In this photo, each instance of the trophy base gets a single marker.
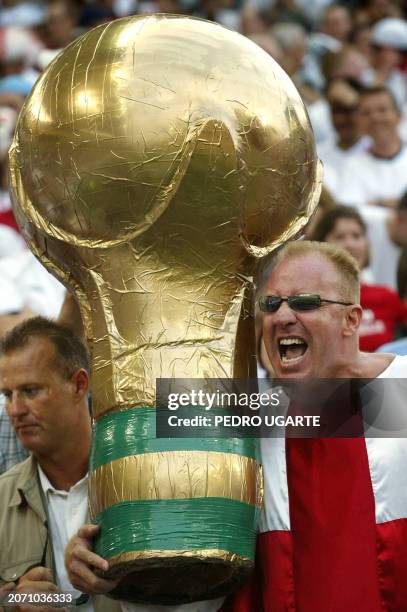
(176, 580)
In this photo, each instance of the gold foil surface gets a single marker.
(153, 160)
(207, 553)
(175, 475)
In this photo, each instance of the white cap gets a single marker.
(390, 32)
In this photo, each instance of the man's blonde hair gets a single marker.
(346, 265)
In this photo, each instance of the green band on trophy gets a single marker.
(132, 432)
(177, 525)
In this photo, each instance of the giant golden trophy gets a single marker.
(155, 159)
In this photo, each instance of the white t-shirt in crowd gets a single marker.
(334, 159)
(366, 178)
(11, 243)
(24, 282)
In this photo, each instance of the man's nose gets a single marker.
(284, 315)
(348, 244)
(375, 115)
(16, 405)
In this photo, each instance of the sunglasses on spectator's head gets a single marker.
(300, 303)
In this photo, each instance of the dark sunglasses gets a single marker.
(299, 303)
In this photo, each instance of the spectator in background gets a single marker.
(334, 29)
(384, 253)
(287, 11)
(397, 223)
(19, 49)
(62, 19)
(343, 97)
(361, 39)
(8, 118)
(269, 44)
(383, 310)
(95, 14)
(222, 11)
(336, 22)
(387, 230)
(389, 45)
(292, 39)
(346, 63)
(253, 21)
(377, 176)
(374, 10)
(26, 288)
(399, 347)
(23, 14)
(174, 6)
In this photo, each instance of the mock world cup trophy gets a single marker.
(154, 160)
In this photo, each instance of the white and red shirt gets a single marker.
(333, 533)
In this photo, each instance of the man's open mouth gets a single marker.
(291, 349)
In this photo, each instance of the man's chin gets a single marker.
(28, 433)
(379, 132)
(300, 369)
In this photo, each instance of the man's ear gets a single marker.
(352, 320)
(80, 381)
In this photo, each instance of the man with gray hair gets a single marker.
(292, 39)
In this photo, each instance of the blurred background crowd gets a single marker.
(348, 60)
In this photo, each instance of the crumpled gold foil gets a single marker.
(152, 158)
(175, 475)
(207, 553)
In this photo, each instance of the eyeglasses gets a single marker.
(299, 303)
